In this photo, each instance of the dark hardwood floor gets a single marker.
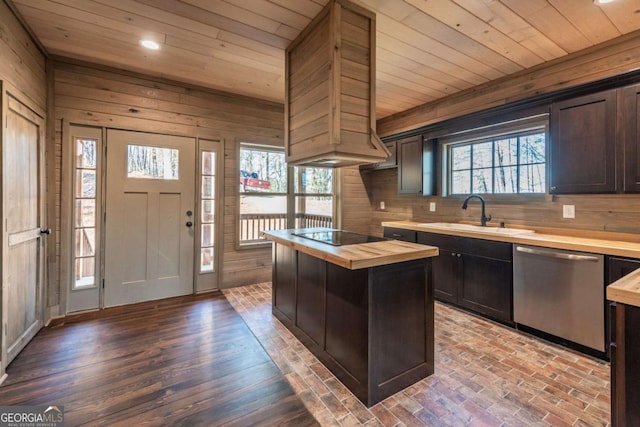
(183, 361)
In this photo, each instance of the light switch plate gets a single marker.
(381, 206)
(432, 206)
(568, 211)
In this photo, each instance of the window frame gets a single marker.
(516, 128)
(290, 196)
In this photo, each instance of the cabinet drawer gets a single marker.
(443, 241)
(400, 234)
(488, 249)
(468, 245)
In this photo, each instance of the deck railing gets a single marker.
(252, 224)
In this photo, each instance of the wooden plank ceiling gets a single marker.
(426, 49)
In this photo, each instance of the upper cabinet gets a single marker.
(595, 143)
(629, 99)
(583, 135)
(416, 166)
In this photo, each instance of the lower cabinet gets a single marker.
(475, 274)
(625, 370)
(624, 350)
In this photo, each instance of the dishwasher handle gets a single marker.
(557, 255)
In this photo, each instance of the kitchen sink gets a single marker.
(453, 226)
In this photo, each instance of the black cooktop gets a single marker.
(339, 238)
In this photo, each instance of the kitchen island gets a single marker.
(365, 310)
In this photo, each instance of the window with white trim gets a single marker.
(275, 197)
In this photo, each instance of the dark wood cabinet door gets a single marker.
(346, 325)
(625, 371)
(410, 165)
(445, 268)
(630, 128)
(583, 144)
(310, 297)
(284, 280)
(446, 276)
(487, 286)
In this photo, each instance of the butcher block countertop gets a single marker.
(580, 242)
(626, 290)
(353, 257)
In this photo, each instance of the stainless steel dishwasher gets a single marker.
(561, 293)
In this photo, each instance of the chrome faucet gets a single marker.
(483, 217)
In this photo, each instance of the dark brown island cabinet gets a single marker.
(373, 327)
(624, 323)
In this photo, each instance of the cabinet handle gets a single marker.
(560, 255)
(396, 235)
(459, 255)
(553, 188)
(612, 325)
(453, 254)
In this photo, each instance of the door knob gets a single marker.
(45, 231)
(189, 224)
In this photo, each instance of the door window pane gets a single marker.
(85, 214)
(208, 208)
(206, 260)
(208, 186)
(85, 272)
(208, 211)
(85, 242)
(207, 235)
(152, 162)
(85, 183)
(86, 155)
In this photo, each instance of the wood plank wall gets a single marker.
(598, 212)
(608, 59)
(21, 62)
(99, 96)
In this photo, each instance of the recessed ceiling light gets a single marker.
(599, 2)
(150, 44)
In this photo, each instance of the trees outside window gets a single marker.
(274, 196)
(509, 164)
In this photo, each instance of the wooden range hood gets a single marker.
(330, 90)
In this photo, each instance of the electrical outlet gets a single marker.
(432, 206)
(381, 206)
(568, 211)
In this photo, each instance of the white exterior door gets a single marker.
(149, 228)
(23, 246)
